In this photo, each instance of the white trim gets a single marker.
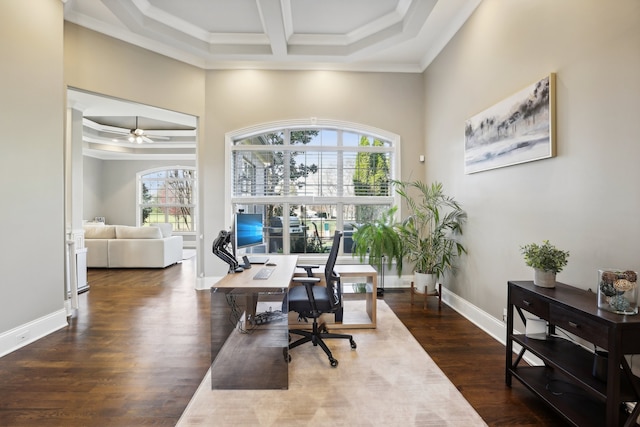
(32, 331)
(310, 123)
(489, 324)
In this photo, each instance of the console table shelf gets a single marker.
(566, 382)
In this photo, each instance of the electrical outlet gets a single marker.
(504, 314)
(22, 336)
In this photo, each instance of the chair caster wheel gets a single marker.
(353, 345)
(333, 362)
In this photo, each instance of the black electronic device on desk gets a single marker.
(220, 249)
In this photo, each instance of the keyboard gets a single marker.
(263, 274)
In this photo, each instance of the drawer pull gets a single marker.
(574, 325)
(525, 302)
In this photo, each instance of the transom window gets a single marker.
(308, 181)
(168, 195)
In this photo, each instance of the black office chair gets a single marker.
(312, 300)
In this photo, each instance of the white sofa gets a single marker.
(121, 246)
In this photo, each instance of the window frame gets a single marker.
(308, 124)
(193, 206)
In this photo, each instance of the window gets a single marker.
(308, 180)
(168, 195)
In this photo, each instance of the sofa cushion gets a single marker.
(126, 232)
(99, 231)
(165, 228)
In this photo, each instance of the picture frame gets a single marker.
(518, 129)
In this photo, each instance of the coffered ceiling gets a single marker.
(357, 35)
(353, 35)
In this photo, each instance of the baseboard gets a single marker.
(16, 338)
(489, 324)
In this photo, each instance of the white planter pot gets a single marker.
(544, 279)
(424, 282)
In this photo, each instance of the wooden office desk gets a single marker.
(245, 355)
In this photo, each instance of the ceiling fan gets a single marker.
(138, 136)
(143, 130)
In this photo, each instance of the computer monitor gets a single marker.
(247, 230)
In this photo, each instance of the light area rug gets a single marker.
(188, 253)
(389, 380)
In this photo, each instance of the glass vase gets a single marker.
(618, 291)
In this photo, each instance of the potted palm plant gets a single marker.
(546, 260)
(377, 241)
(430, 230)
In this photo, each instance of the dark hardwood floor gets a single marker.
(139, 347)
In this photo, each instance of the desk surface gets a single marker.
(280, 278)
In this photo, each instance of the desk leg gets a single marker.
(372, 297)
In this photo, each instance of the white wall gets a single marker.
(585, 200)
(32, 111)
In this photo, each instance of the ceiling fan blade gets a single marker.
(147, 139)
(116, 132)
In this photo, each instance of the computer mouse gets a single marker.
(270, 264)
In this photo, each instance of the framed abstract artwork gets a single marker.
(518, 129)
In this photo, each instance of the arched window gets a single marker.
(308, 178)
(168, 194)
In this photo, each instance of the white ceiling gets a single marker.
(105, 137)
(356, 35)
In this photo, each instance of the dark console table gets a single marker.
(566, 381)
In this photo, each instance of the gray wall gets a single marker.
(238, 99)
(112, 186)
(32, 111)
(585, 200)
(92, 188)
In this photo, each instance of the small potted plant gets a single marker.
(546, 260)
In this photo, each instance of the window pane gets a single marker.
(273, 138)
(258, 173)
(319, 222)
(155, 215)
(367, 174)
(350, 139)
(181, 218)
(357, 214)
(314, 174)
(168, 196)
(324, 137)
